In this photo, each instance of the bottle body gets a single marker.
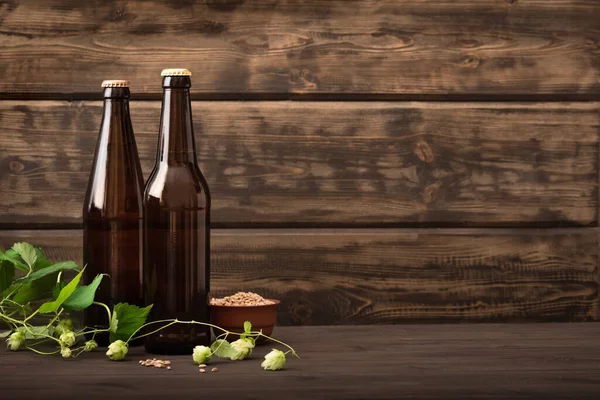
(176, 266)
(177, 231)
(112, 214)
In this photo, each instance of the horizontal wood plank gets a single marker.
(485, 361)
(325, 277)
(328, 163)
(284, 47)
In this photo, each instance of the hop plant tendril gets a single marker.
(27, 277)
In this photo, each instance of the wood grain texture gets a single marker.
(329, 163)
(330, 277)
(486, 361)
(291, 47)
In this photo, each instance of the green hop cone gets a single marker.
(64, 326)
(274, 361)
(15, 340)
(65, 352)
(243, 347)
(67, 339)
(201, 354)
(117, 350)
(90, 345)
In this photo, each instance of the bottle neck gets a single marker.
(176, 137)
(116, 163)
(116, 119)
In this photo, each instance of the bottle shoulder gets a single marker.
(115, 175)
(114, 196)
(177, 185)
(127, 210)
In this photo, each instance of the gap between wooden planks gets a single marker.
(357, 276)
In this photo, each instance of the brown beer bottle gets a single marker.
(113, 210)
(177, 227)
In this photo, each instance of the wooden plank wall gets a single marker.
(438, 161)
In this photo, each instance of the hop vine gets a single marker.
(28, 278)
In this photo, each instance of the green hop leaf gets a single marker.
(36, 290)
(274, 361)
(64, 294)
(42, 261)
(27, 253)
(128, 319)
(14, 258)
(247, 330)
(35, 332)
(47, 271)
(83, 296)
(114, 323)
(57, 288)
(222, 348)
(201, 354)
(7, 274)
(117, 350)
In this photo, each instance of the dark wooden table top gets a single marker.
(553, 360)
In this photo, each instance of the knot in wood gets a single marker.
(423, 151)
(301, 312)
(303, 77)
(16, 166)
(468, 43)
(430, 193)
(470, 61)
(593, 46)
(119, 14)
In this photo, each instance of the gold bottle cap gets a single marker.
(115, 83)
(176, 72)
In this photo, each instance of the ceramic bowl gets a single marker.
(232, 318)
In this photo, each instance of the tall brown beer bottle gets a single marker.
(112, 211)
(177, 226)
